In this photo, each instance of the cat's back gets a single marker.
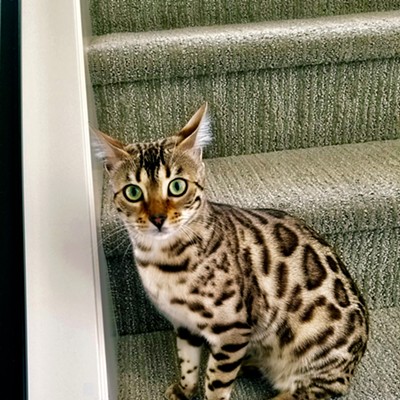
(283, 234)
(299, 296)
(292, 266)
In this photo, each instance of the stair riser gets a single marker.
(133, 15)
(373, 259)
(262, 111)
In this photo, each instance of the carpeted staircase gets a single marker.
(305, 99)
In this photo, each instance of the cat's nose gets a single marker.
(158, 220)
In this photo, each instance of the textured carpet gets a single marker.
(145, 15)
(271, 86)
(351, 193)
(148, 364)
(127, 57)
(261, 111)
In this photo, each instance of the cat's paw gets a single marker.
(176, 392)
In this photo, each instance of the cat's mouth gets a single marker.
(156, 233)
(151, 232)
(162, 232)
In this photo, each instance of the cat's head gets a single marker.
(158, 186)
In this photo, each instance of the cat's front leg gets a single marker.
(189, 351)
(223, 366)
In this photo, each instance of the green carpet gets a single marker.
(128, 57)
(305, 103)
(271, 86)
(145, 15)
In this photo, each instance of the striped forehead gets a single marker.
(149, 157)
(150, 160)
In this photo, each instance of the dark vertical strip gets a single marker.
(12, 279)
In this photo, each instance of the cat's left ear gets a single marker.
(108, 149)
(196, 134)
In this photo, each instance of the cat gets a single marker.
(258, 286)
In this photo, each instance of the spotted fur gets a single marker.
(259, 287)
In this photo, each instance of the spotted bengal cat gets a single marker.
(258, 286)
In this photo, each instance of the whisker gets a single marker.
(116, 231)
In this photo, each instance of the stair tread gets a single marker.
(186, 52)
(132, 15)
(343, 188)
(148, 365)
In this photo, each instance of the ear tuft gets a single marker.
(196, 134)
(204, 133)
(97, 144)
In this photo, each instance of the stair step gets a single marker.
(216, 50)
(350, 193)
(110, 16)
(348, 188)
(288, 84)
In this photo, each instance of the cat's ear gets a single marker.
(107, 149)
(196, 134)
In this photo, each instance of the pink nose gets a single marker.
(158, 220)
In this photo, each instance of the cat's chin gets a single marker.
(164, 234)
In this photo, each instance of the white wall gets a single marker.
(65, 313)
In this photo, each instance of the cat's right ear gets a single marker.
(107, 149)
(196, 134)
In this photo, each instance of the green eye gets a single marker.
(133, 193)
(177, 187)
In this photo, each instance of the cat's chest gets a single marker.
(166, 292)
(163, 284)
(159, 286)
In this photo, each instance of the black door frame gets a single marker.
(12, 269)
